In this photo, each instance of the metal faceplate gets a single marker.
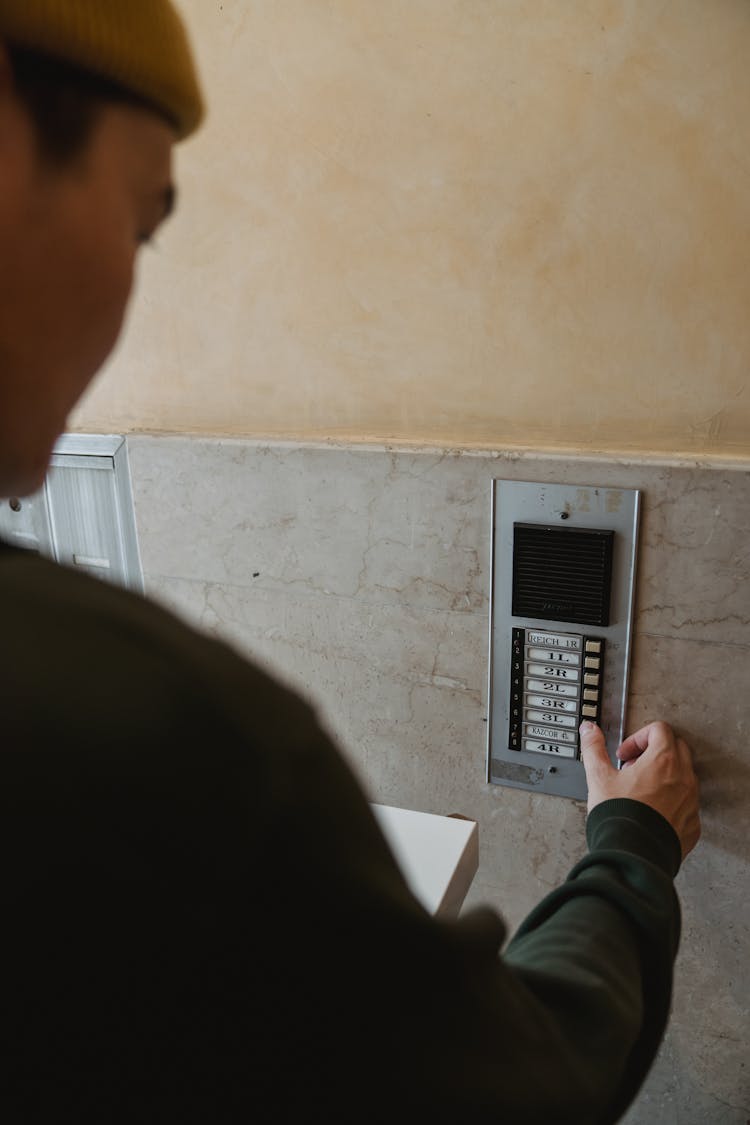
(83, 515)
(528, 747)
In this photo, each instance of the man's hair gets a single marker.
(64, 101)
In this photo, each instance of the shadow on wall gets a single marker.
(725, 785)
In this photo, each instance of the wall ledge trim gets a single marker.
(624, 457)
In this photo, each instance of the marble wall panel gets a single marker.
(314, 522)
(695, 563)
(361, 577)
(385, 679)
(701, 1074)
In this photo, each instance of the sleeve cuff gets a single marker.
(622, 824)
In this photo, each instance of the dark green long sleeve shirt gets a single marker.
(202, 922)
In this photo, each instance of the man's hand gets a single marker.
(657, 769)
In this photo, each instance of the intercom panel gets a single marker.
(563, 567)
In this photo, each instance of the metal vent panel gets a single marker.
(83, 515)
(562, 574)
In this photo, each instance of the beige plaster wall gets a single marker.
(456, 222)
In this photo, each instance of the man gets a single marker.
(201, 919)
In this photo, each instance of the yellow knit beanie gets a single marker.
(139, 44)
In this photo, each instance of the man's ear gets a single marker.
(8, 103)
(6, 79)
(6, 72)
(7, 82)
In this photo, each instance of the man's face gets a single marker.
(68, 242)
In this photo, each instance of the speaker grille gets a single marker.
(562, 573)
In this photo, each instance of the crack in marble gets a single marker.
(697, 621)
(666, 637)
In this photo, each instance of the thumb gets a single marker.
(594, 752)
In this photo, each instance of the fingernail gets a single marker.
(587, 726)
